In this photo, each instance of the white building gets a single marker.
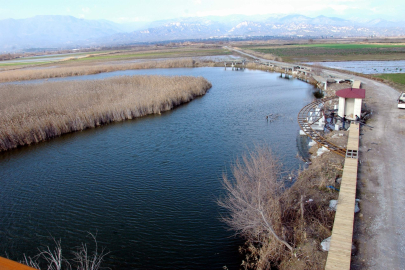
(350, 101)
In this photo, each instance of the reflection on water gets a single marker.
(148, 187)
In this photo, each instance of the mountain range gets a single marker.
(70, 32)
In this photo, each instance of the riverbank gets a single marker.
(152, 180)
(283, 223)
(387, 102)
(379, 185)
(30, 113)
(364, 249)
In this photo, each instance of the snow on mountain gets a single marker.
(68, 31)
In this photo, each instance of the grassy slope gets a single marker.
(23, 64)
(396, 80)
(394, 77)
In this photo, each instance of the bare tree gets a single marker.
(253, 197)
(53, 259)
(87, 261)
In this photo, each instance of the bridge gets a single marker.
(340, 250)
(235, 64)
(322, 78)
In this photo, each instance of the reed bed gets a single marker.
(33, 74)
(30, 113)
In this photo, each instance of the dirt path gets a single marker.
(379, 228)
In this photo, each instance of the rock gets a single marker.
(338, 180)
(322, 150)
(354, 250)
(356, 206)
(333, 205)
(326, 244)
(311, 143)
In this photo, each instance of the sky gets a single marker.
(124, 11)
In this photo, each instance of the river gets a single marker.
(148, 187)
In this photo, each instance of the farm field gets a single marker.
(398, 78)
(156, 54)
(333, 52)
(97, 57)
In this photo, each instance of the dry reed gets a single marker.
(33, 74)
(36, 112)
(274, 219)
(53, 259)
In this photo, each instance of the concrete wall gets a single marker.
(357, 107)
(341, 108)
(349, 108)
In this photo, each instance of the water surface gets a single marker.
(148, 187)
(367, 67)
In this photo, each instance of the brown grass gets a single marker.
(32, 74)
(36, 112)
(298, 215)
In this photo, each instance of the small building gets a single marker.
(350, 101)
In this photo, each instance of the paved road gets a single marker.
(277, 63)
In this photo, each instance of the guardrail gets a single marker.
(6, 264)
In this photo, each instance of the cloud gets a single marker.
(197, 2)
(260, 7)
(86, 10)
(339, 8)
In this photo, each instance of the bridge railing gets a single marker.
(6, 264)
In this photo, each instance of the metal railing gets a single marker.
(6, 264)
(309, 111)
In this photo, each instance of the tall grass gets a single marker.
(32, 74)
(37, 112)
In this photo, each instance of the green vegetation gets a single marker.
(156, 54)
(393, 77)
(351, 46)
(30, 113)
(22, 64)
(97, 57)
(333, 52)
